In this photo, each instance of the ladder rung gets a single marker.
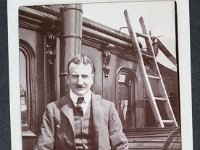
(154, 77)
(142, 35)
(157, 98)
(147, 55)
(160, 98)
(168, 121)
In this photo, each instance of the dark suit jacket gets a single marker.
(57, 129)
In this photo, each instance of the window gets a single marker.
(23, 90)
(26, 85)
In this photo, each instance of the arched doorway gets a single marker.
(125, 94)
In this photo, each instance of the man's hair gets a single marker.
(78, 59)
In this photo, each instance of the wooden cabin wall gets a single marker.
(107, 86)
(110, 91)
(42, 80)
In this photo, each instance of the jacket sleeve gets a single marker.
(45, 140)
(118, 139)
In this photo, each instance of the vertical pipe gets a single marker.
(70, 40)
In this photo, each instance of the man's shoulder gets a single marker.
(101, 99)
(58, 102)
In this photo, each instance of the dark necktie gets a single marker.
(78, 106)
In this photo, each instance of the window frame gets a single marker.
(27, 51)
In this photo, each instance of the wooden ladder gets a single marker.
(151, 76)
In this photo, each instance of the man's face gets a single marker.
(80, 78)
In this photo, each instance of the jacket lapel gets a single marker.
(67, 109)
(97, 112)
(98, 120)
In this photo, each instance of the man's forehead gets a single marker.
(86, 68)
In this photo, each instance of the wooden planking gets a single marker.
(153, 138)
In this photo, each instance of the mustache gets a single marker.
(80, 86)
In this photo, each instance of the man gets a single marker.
(81, 120)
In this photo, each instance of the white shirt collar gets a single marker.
(74, 97)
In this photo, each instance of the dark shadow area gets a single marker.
(195, 54)
(5, 142)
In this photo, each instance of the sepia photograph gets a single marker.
(100, 76)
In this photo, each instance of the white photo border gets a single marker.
(183, 57)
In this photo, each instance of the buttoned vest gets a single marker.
(84, 130)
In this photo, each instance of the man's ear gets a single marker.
(92, 78)
(67, 78)
(65, 74)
